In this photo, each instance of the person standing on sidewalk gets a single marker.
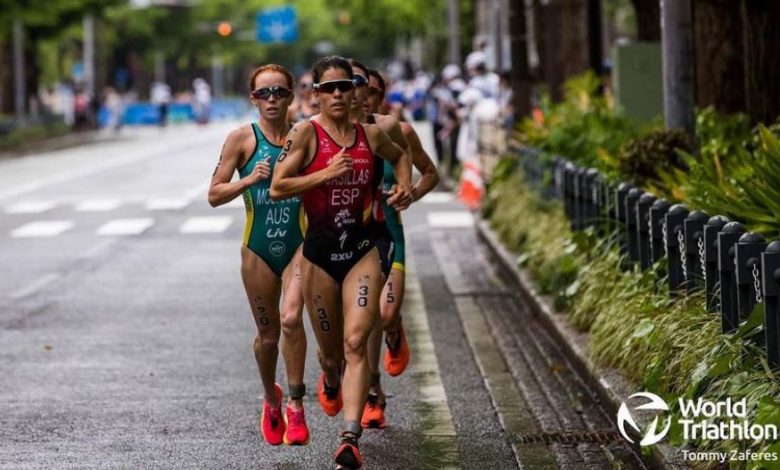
(397, 354)
(271, 252)
(329, 160)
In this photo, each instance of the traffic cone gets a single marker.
(471, 185)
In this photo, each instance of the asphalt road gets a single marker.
(126, 338)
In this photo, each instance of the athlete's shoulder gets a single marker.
(241, 138)
(385, 121)
(300, 129)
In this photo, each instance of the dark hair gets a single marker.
(330, 62)
(271, 68)
(358, 64)
(375, 73)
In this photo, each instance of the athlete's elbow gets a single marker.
(277, 193)
(214, 200)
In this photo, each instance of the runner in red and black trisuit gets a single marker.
(329, 160)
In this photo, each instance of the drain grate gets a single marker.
(596, 437)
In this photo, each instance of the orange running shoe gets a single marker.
(348, 454)
(271, 423)
(397, 356)
(374, 413)
(297, 433)
(330, 398)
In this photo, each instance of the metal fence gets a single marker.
(735, 269)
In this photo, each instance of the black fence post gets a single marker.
(675, 247)
(770, 283)
(748, 272)
(620, 211)
(632, 198)
(643, 229)
(568, 190)
(727, 250)
(591, 197)
(657, 216)
(711, 279)
(694, 249)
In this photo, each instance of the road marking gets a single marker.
(206, 225)
(42, 229)
(125, 227)
(35, 286)
(438, 429)
(437, 198)
(450, 219)
(98, 205)
(30, 207)
(164, 204)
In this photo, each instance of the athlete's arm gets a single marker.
(222, 190)
(392, 128)
(296, 153)
(390, 151)
(423, 163)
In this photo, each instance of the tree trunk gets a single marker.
(762, 59)
(521, 80)
(719, 55)
(565, 43)
(648, 20)
(6, 77)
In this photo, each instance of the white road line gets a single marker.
(42, 229)
(35, 286)
(125, 227)
(30, 207)
(98, 205)
(437, 198)
(165, 204)
(206, 225)
(451, 219)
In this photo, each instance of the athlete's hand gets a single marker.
(261, 171)
(400, 197)
(340, 165)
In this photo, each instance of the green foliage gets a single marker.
(583, 127)
(672, 347)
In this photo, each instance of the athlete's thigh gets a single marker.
(394, 289)
(292, 284)
(360, 295)
(262, 290)
(322, 295)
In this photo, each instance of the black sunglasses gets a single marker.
(360, 81)
(342, 85)
(375, 91)
(266, 92)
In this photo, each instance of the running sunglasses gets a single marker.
(360, 81)
(330, 86)
(266, 92)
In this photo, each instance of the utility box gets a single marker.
(638, 80)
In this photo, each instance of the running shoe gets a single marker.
(348, 454)
(397, 355)
(271, 423)
(297, 433)
(330, 398)
(374, 413)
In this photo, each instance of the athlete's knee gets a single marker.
(355, 345)
(388, 313)
(267, 341)
(291, 320)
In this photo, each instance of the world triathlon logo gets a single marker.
(651, 435)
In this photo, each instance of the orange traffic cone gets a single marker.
(471, 185)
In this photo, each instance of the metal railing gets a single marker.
(735, 269)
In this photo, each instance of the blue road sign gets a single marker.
(277, 25)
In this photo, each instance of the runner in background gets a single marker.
(397, 354)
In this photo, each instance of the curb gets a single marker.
(70, 140)
(610, 386)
